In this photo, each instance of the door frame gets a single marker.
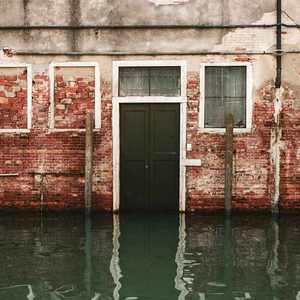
(116, 101)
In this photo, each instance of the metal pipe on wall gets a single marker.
(279, 45)
(134, 27)
(143, 27)
(133, 53)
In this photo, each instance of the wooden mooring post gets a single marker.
(228, 162)
(89, 124)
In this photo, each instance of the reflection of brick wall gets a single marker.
(13, 98)
(74, 96)
(290, 155)
(243, 248)
(56, 251)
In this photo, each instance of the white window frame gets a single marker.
(249, 98)
(149, 63)
(182, 100)
(29, 99)
(97, 114)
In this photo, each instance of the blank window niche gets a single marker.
(15, 98)
(149, 81)
(225, 92)
(74, 95)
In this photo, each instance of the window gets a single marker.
(74, 90)
(15, 98)
(225, 92)
(149, 81)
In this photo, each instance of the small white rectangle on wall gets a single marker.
(192, 162)
(189, 147)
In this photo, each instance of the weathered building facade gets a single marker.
(120, 59)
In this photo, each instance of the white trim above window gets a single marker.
(249, 100)
(29, 99)
(52, 67)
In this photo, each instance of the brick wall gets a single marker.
(50, 165)
(74, 96)
(290, 158)
(252, 184)
(13, 98)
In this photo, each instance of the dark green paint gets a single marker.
(149, 256)
(149, 157)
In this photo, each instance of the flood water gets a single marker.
(163, 257)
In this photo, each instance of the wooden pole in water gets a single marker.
(228, 162)
(88, 256)
(88, 162)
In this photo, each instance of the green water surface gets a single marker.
(67, 256)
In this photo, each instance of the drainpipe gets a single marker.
(279, 44)
(276, 134)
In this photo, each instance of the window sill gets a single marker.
(14, 131)
(147, 99)
(70, 130)
(223, 130)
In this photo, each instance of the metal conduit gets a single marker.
(278, 45)
(164, 53)
(134, 27)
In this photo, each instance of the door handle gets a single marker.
(146, 166)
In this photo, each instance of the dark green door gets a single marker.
(149, 156)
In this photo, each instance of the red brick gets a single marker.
(60, 156)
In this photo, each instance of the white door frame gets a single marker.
(182, 100)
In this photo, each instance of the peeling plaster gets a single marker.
(276, 146)
(249, 38)
(168, 2)
(255, 39)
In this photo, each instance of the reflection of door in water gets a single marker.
(149, 156)
(148, 246)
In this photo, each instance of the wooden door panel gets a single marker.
(149, 156)
(164, 189)
(164, 156)
(134, 186)
(134, 132)
(134, 155)
(163, 134)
